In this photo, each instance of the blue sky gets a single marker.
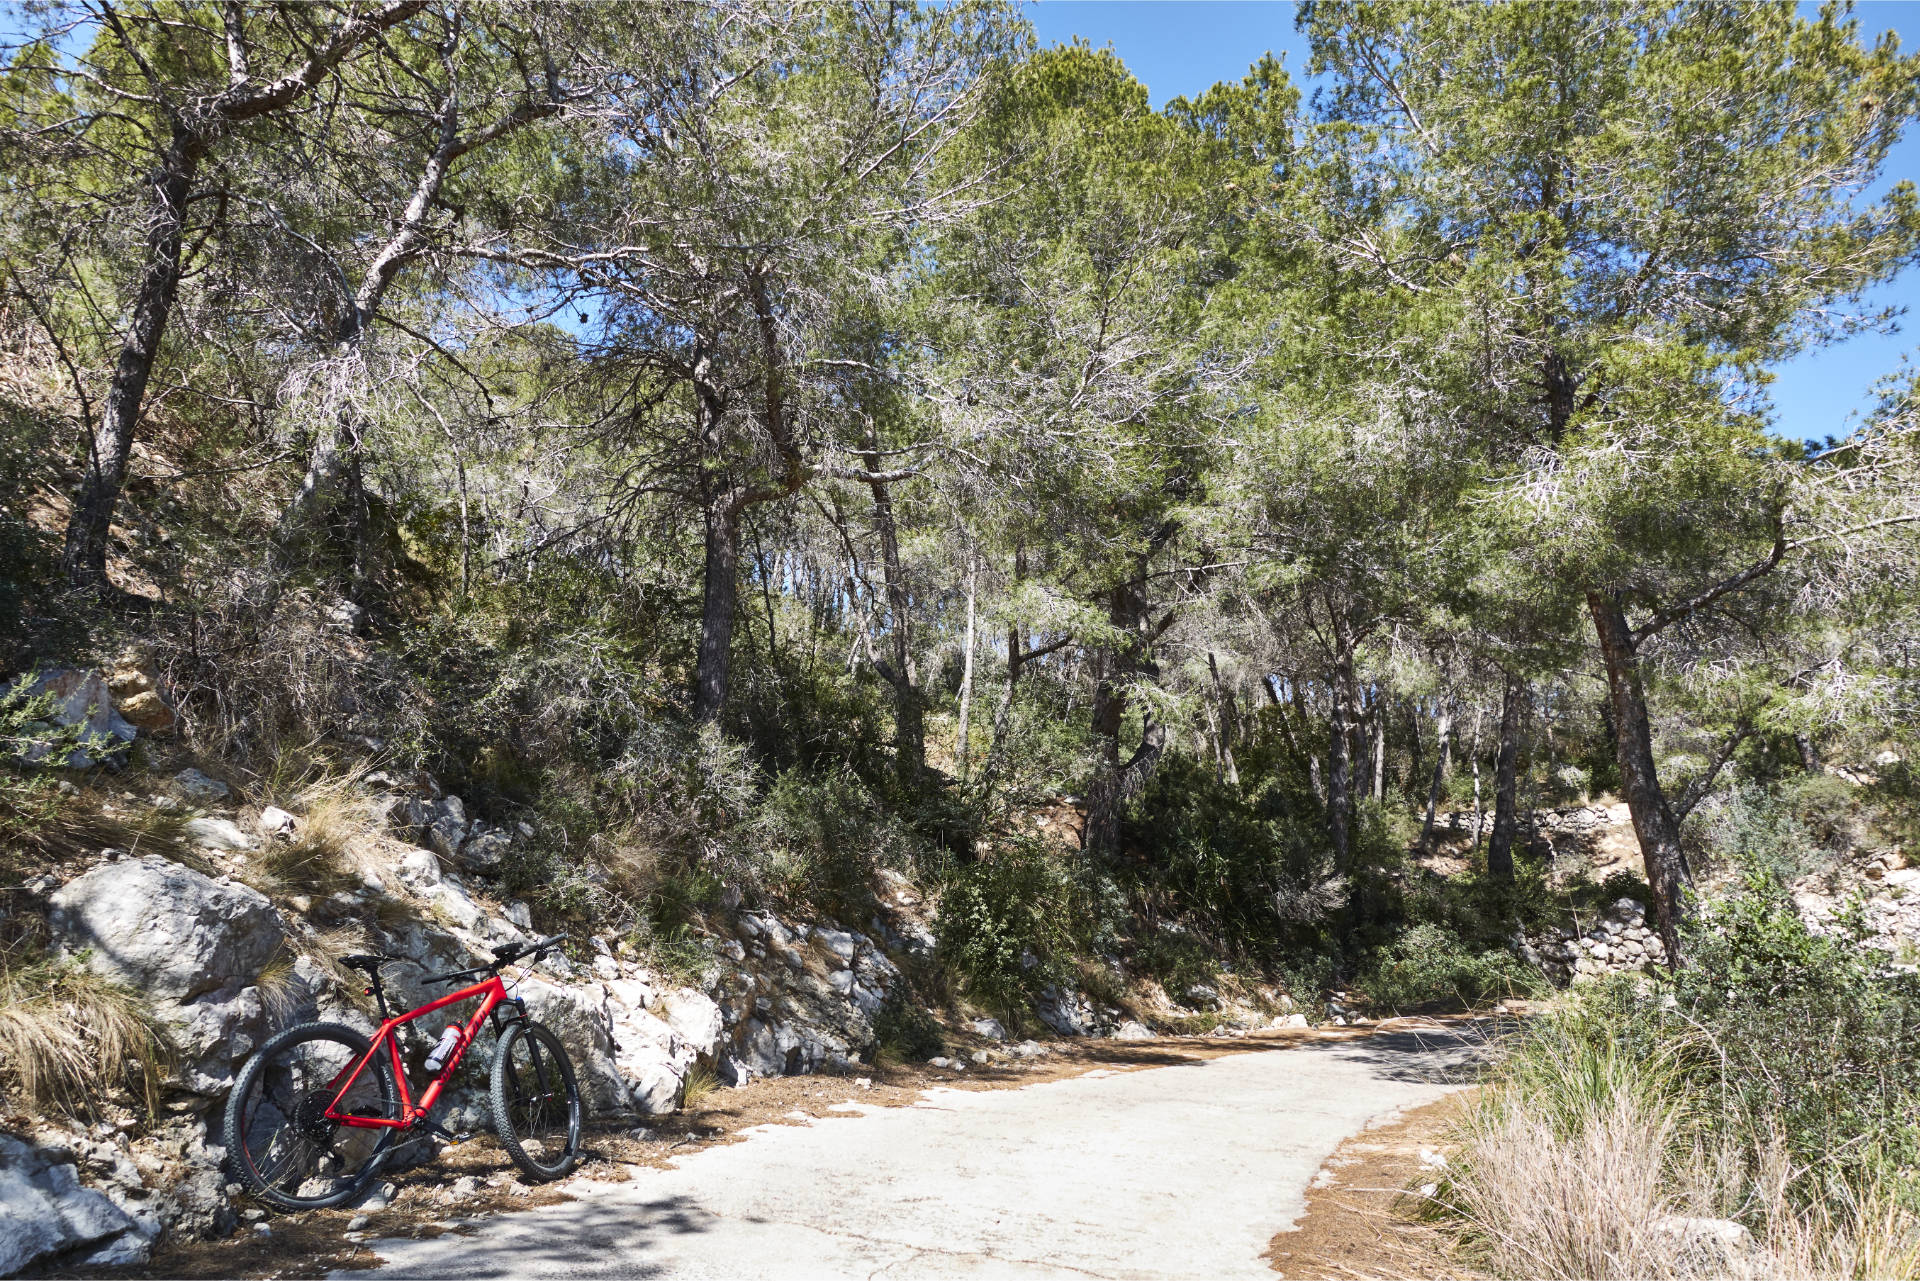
(1179, 47)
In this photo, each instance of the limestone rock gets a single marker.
(484, 848)
(198, 789)
(1132, 1030)
(989, 1028)
(446, 826)
(217, 834)
(836, 942)
(1067, 1012)
(419, 871)
(45, 1213)
(192, 946)
(274, 821)
(694, 1018)
(579, 1017)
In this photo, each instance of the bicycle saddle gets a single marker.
(369, 962)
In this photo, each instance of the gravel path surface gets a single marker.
(1182, 1171)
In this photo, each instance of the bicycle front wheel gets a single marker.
(536, 1102)
(281, 1146)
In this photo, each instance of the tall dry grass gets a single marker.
(332, 812)
(1585, 1157)
(69, 1038)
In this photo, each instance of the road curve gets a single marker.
(1183, 1171)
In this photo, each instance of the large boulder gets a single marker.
(193, 946)
(653, 1060)
(694, 1018)
(446, 826)
(580, 1018)
(45, 1214)
(1068, 1012)
(77, 699)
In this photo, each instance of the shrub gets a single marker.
(1005, 926)
(1428, 965)
(1254, 867)
(1772, 1081)
(1176, 958)
(819, 840)
(903, 1032)
(1784, 833)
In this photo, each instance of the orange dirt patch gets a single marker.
(1360, 1219)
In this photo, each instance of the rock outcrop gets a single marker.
(194, 946)
(48, 1217)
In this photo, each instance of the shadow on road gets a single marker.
(1449, 1054)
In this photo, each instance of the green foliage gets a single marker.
(1429, 965)
(1778, 1037)
(1895, 798)
(820, 839)
(1175, 957)
(1784, 832)
(1254, 869)
(905, 1033)
(1006, 925)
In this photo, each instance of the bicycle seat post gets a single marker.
(378, 991)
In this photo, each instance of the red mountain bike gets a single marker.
(317, 1110)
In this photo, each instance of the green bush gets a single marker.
(1429, 965)
(1785, 832)
(1811, 1037)
(818, 839)
(1005, 926)
(1788, 1052)
(1252, 868)
(1176, 957)
(904, 1032)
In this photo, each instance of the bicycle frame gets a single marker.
(493, 994)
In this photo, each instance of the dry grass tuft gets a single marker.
(281, 991)
(42, 827)
(326, 947)
(69, 1037)
(314, 861)
(700, 1084)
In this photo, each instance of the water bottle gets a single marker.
(444, 1050)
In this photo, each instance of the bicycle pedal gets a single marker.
(441, 1131)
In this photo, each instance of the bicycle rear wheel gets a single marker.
(280, 1145)
(536, 1102)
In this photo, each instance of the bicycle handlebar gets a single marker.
(505, 954)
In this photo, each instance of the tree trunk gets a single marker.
(1653, 820)
(1313, 758)
(1119, 783)
(1229, 722)
(909, 733)
(1809, 755)
(84, 559)
(966, 675)
(1380, 706)
(718, 588)
(1478, 810)
(1505, 776)
(1443, 732)
(1340, 761)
